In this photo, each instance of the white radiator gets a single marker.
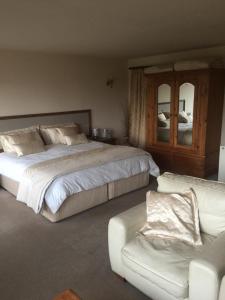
(221, 175)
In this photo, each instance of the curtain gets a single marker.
(137, 107)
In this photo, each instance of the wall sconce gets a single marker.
(110, 82)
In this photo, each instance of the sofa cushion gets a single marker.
(172, 216)
(165, 263)
(210, 196)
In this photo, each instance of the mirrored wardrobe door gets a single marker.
(163, 113)
(185, 118)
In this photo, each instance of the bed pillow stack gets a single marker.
(76, 140)
(162, 120)
(183, 117)
(67, 134)
(166, 114)
(51, 135)
(23, 141)
(28, 140)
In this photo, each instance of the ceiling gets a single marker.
(125, 28)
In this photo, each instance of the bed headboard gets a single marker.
(82, 117)
(165, 106)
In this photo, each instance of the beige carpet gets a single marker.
(39, 259)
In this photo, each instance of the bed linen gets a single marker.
(69, 184)
(37, 178)
(164, 132)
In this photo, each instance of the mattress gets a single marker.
(12, 167)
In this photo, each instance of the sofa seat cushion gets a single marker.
(163, 262)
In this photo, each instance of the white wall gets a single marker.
(38, 82)
(186, 93)
(223, 125)
(164, 93)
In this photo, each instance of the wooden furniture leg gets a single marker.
(67, 295)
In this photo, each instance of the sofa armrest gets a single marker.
(206, 272)
(222, 289)
(121, 229)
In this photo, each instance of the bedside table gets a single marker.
(111, 141)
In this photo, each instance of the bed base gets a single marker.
(77, 203)
(126, 185)
(9, 185)
(85, 199)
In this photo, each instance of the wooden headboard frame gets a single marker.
(165, 104)
(21, 121)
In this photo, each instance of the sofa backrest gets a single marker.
(210, 196)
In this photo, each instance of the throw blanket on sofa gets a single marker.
(37, 178)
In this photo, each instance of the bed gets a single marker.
(86, 187)
(184, 133)
(184, 130)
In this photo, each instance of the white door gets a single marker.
(221, 175)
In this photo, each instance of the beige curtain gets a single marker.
(137, 107)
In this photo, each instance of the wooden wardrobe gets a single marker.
(184, 119)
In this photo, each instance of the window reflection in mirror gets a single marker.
(185, 116)
(163, 114)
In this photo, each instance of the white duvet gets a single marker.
(67, 185)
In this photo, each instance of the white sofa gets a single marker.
(222, 289)
(164, 271)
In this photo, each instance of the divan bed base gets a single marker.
(77, 203)
(85, 199)
(126, 185)
(9, 184)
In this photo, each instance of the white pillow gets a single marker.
(190, 118)
(172, 216)
(76, 139)
(51, 135)
(8, 139)
(183, 117)
(161, 117)
(66, 131)
(29, 148)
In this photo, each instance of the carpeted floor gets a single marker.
(39, 259)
